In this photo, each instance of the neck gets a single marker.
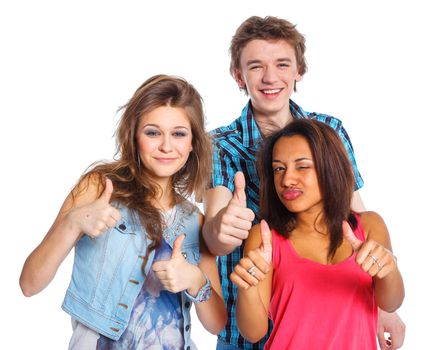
(165, 196)
(268, 123)
(311, 221)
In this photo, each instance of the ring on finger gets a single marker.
(251, 270)
(375, 260)
(380, 266)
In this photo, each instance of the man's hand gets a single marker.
(233, 222)
(391, 324)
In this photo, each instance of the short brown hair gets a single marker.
(267, 28)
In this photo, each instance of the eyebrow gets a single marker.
(256, 61)
(296, 160)
(158, 126)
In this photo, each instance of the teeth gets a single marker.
(270, 92)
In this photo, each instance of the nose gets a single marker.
(290, 178)
(165, 145)
(270, 75)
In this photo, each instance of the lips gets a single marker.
(291, 195)
(271, 92)
(165, 160)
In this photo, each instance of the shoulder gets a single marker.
(333, 122)
(337, 125)
(89, 187)
(370, 218)
(254, 239)
(375, 227)
(224, 132)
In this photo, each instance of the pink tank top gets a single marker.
(316, 306)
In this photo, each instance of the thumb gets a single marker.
(178, 245)
(350, 237)
(266, 246)
(107, 193)
(239, 188)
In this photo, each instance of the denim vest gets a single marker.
(107, 272)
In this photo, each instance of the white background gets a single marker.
(66, 66)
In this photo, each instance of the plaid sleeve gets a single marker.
(349, 148)
(223, 169)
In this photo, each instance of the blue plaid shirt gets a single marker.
(235, 148)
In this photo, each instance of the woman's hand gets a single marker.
(177, 274)
(253, 268)
(373, 257)
(96, 217)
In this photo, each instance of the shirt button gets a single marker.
(187, 328)
(186, 304)
(122, 227)
(188, 348)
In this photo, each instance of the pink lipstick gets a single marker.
(291, 195)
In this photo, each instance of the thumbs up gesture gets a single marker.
(177, 274)
(373, 257)
(98, 216)
(235, 220)
(253, 268)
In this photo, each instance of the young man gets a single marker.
(267, 60)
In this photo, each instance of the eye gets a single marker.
(254, 68)
(278, 169)
(180, 134)
(303, 166)
(151, 132)
(283, 65)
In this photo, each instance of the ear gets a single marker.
(237, 74)
(298, 77)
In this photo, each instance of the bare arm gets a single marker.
(376, 258)
(387, 322)
(389, 288)
(227, 219)
(177, 274)
(212, 313)
(85, 213)
(357, 203)
(252, 305)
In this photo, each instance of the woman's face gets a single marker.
(295, 175)
(164, 139)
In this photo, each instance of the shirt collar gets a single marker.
(251, 135)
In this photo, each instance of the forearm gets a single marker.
(214, 245)
(41, 266)
(390, 291)
(212, 313)
(252, 318)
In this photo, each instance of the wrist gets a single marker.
(198, 281)
(72, 223)
(201, 294)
